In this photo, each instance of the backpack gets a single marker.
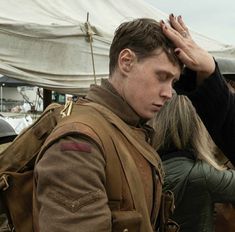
(18, 160)
(16, 170)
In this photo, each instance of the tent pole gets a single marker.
(46, 98)
(1, 97)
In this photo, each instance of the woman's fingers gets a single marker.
(174, 23)
(181, 22)
(185, 59)
(177, 38)
(193, 56)
(178, 25)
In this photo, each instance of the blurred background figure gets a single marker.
(192, 172)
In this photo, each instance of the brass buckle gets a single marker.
(4, 183)
(68, 107)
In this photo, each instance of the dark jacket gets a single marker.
(215, 105)
(196, 186)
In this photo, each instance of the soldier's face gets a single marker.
(148, 84)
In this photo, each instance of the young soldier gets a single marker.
(77, 188)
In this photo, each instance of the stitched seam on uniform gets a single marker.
(74, 205)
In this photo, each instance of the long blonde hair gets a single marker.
(177, 124)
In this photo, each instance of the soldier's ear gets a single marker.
(125, 60)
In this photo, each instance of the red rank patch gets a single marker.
(72, 146)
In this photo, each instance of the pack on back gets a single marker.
(16, 171)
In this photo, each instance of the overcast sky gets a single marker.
(215, 19)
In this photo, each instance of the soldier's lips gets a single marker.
(157, 107)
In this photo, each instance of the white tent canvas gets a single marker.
(45, 42)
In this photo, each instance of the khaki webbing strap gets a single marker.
(130, 170)
(146, 151)
(158, 198)
(144, 148)
(134, 181)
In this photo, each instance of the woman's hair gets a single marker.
(178, 126)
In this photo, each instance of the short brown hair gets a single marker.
(142, 36)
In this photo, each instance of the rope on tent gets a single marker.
(90, 40)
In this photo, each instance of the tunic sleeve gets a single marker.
(70, 190)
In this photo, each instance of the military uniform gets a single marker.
(70, 178)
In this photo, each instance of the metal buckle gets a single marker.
(4, 183)
(68, 107)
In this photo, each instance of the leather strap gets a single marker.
(129, 167)
(144, 148)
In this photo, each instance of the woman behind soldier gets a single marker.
(192, 172)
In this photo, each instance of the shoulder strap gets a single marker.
(134, 182)
(144, 148)
(129, 167)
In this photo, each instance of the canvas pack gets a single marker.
(16, 171)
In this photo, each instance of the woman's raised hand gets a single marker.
(193, 56)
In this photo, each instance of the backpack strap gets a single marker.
(129, 167)
(132, 174)
(144, 148)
